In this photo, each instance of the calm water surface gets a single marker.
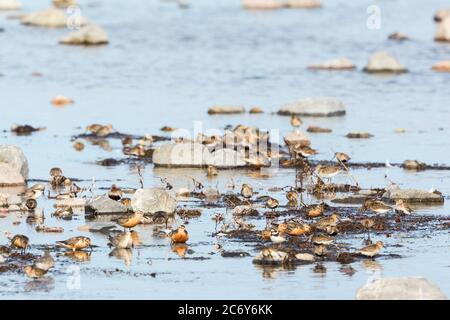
(166, 66)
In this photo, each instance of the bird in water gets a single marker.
(402, 207)
(212, 171)
(35, 191)
(180, 235)
(75, 243)
(63, 213)
(20, 241)
(44, 262)
(246, 191)
(130, 221)
(115, 193)
(276, 237)
(122, 240)
(372, 250)
(375, 206)
(296, 121)
(292, 197)
(33, 272)
(272, 203)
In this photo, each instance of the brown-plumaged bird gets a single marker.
(372, 250)
(63, 213)
(402, 207)
(322, 239)
(302, 151)
(272, 203)
(292, 197)
(320, 250)
(212, 171)
(316, 211)
(327, 172)
(35, 191)
(180, 235)
(375, 206)
(342, 157)
(130, 221)
(246, 191)
(34, 272)
(44, 262)
(123, 240)
(20, 241)
(325, 222)
(115, 193)
(75, 243)
(296, 121)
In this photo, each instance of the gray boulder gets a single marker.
(13, 166)
(9, 176)
(411, 288)
(89, 35)
(104, 205)
(314, 107)
(153, 200)
(413, 195)
(181, 155)
(384, 62)
(227, 158)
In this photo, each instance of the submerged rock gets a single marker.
(306, 257)
(50, 18)
(153, 200)
(413, 195)
(226, 110)
(89, 35)
(334, 64)
(14, 156)
(384, 62)
(413, 165)
(442, 66)
(303, 4)
(10, 5)
(181, 155)
(398, 36)
(411, 288)
(314, 107)
(262, 4)
(443, 30)
(105, 205)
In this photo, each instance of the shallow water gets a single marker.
(166, 66)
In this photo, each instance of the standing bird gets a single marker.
(367, 224)
(20, 241)
(130, 221)
(372, 250)
(123, 240)
(375, 206)
(75, 243)
(292, 197)
(276, 237)
(246, 191)
(45, 262)
(115, 193)
(296, 121)
(211, 171)
(34, 272)
(316, 210)
(342, 157)
(272, 203)
(35, 191)
(401, 206)
(327, 172)
(180, 235)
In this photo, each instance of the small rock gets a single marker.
(305, 257)
(313, 129)
(296, 137)
(303, 4)
(413, 195)
(384, 62)
(441, 14)
(411, 288)
(398, 36)
(359, 135)
(50, 18)
(413, 165)
(314, 107)
(443, 66)
(10, 5)
(15, 157)
(234, 254)
(226, 110)
(443, 30)
(256, 110)
(89, 35)
(104, 205)
(64, 3)
(334, 64)
(262, 4)
(153, 200)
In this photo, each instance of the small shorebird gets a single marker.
(376, 206)
(401, 206)
(296, 121)
(372, 250)
(246, 191)
(115, 193)
(332, 230)
(322, 239)
(316, 211)
(20, 241)
(292, 197)
(218, 218)
(211, 171)
(180, 235)
(63, 213)
(328, 172)
(123, 240)
(294, 228)
(302, 151)
(35, 191)
(55, 172)
(367, 223)
(272, 203)
(78, 145)
(320, 250)
(325, 222)
(75, 243)
(34, 272)
(342, 157)
(276, 237)
(45, 262)
(130, 221)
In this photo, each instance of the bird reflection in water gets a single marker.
(125, 255)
